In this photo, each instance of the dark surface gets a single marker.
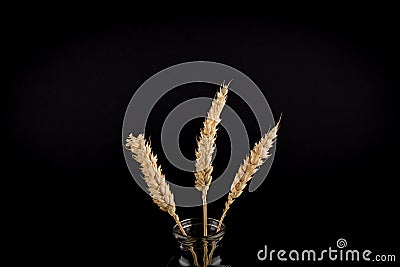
(68, 81)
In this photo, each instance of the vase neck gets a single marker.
(193, 235)
(195, 245)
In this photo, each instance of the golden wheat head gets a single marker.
(258, 155)
(206, 141)
(155, 179)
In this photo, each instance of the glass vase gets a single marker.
(195, 249)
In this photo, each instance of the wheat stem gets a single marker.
(194, 255)
(204, 198)
(205, 254)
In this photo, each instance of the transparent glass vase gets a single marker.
(195, 249)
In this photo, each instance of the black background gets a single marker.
(69, 77)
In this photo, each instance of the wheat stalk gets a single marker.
(206, 147)
(258, 155)
(249, 167)
(155, 179)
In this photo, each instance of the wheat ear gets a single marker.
(249, 167)
(206, 147)
(155, 180)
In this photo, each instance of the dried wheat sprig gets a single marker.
(249, 167)
(155, 179)
(206, 147)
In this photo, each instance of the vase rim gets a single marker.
(189, 222)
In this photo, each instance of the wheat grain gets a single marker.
(258, 155)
